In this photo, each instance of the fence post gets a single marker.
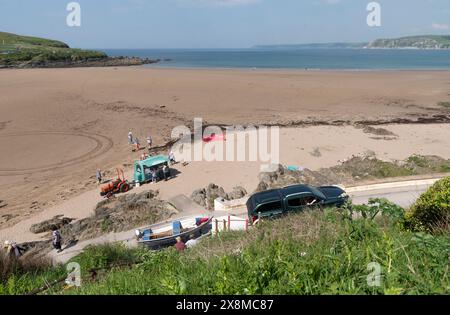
(229, 223)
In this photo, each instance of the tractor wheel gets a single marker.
(124, 188)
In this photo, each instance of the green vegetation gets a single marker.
(373, 168)
(431, 212)
(444, 104)
(332, 251)
(18, 50)
(420, 42)
(18, 276)
(13, 40)
(308, 253)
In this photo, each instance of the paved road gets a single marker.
(403, 196)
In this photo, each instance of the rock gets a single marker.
(282, 177)
(237, 193)
(45, 226)
(205, 197)
(119, 214)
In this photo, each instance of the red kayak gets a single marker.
(214, 137)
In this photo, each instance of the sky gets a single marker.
(220, 23)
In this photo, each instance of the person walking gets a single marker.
(98, 175)
(137, 144)
(149, 143)
(56, 239)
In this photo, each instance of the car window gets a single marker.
(301, 201)
(138, 168)
(271, 206)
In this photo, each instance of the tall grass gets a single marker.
(21, 275)
(309, 253)
(322, 252)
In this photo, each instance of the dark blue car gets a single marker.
(276, 202)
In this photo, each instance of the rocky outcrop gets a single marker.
(280, 176)
(206, 196)
(91, 62)
(111, 215)
(120, 214)
(45, 226)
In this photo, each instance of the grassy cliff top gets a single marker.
(17, 50)
(8, 39)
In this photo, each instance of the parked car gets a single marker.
(276, 202)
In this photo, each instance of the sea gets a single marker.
(311, 59)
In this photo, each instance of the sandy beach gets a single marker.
(57, 126)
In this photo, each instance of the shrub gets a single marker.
(380, 206)
(22, 275)
(444, 104)
(432, 209)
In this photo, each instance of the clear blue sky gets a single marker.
(220, 23)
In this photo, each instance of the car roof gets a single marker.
(298, 189)
(281, 193)
(264, 196)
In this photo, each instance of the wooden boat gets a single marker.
(158, 237)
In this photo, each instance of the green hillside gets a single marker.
(17, 40)
(18, 51)
(419, 42)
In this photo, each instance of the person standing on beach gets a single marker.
(172, 157)
(166, 172)
(149, 142)
(137, 143)
(98, 175)
(130, 137)
(56, 239)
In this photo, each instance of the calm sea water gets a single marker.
(350, 59)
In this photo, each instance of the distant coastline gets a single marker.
(428, 52)
(425, 42)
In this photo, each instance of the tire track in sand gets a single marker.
(102, 145)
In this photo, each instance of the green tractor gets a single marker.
(143, 169)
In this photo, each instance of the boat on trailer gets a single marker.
(161, 236)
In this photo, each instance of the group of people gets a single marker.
(165, 170)
(14, 250)
(135, 142)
